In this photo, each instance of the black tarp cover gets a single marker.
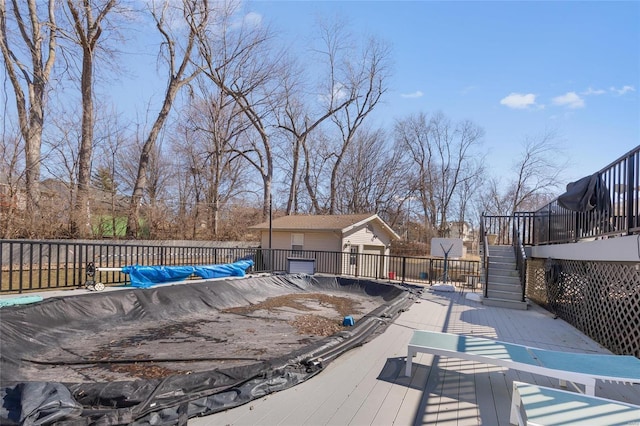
(586, 194)
(30, 330)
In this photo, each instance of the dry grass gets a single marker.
(308, 324)
(343, 305)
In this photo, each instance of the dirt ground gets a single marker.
(202, 341)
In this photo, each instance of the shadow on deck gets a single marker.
(367, 386)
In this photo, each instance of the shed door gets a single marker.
(372, 261)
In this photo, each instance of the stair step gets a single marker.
(510, 287)
(504, 289)
(501, 303)
(503, 281)
(504, 273)
(502, 266)
(504, 249)
(504, 295)
(502, 259)
(502, 255)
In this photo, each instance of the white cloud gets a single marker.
(625, 89)
(253, 19)
(416, 94)
(592, 91)
(339, 93)
(571, 100)
(519, 100)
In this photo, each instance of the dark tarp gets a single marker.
(585, 195)
(29, 333)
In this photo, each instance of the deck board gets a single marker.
(366, 386)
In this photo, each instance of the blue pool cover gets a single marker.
(147, 276)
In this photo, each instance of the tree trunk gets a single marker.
(82, 218)
(32, 120)
(292, 204)
(140, 184)
(307, 181)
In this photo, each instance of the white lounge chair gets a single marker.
(565, 366)
(533, 405)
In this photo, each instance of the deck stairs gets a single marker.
(504, 288)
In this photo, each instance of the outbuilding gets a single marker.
(359, 243)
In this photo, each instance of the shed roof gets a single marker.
(340, 223)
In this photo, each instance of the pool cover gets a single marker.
(147, 276)
(165, 354)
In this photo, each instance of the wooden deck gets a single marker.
(367, 386)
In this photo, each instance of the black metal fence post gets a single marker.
(404, 267)
(630, 192)
(78, 265)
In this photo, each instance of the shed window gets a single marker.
(297, 242)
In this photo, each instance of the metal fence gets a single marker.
(500, 229)
(30, 265)
(613, 210)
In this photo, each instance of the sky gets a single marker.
(517, 69)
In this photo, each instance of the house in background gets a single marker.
(459, 230)
(464, 231)
(345, 236)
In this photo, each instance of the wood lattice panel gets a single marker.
(602, 299)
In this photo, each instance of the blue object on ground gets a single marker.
(348, 321)
(146, 276)
(22, 300)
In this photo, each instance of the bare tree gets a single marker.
(213, 124)
(318, 153)
(61, 149)
(536, 176)
(455, 147)
(87, 19)
(11, 174)
(365, 81)
(466, 195)
(445, 158)
(160, 172)
(495, 199)
(239, 60)
(537, 172)
(110, 141)
(372, 176)
(29, 52)
(177, 50)
(412, 135)
(296, 117)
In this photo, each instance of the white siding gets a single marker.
(320, 241)
(369, 238)
(280, 240)
(368, 235)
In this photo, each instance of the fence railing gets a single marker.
(30, 265)
(521, 261)
(499, 229)
(485, 254)
(612, 209)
